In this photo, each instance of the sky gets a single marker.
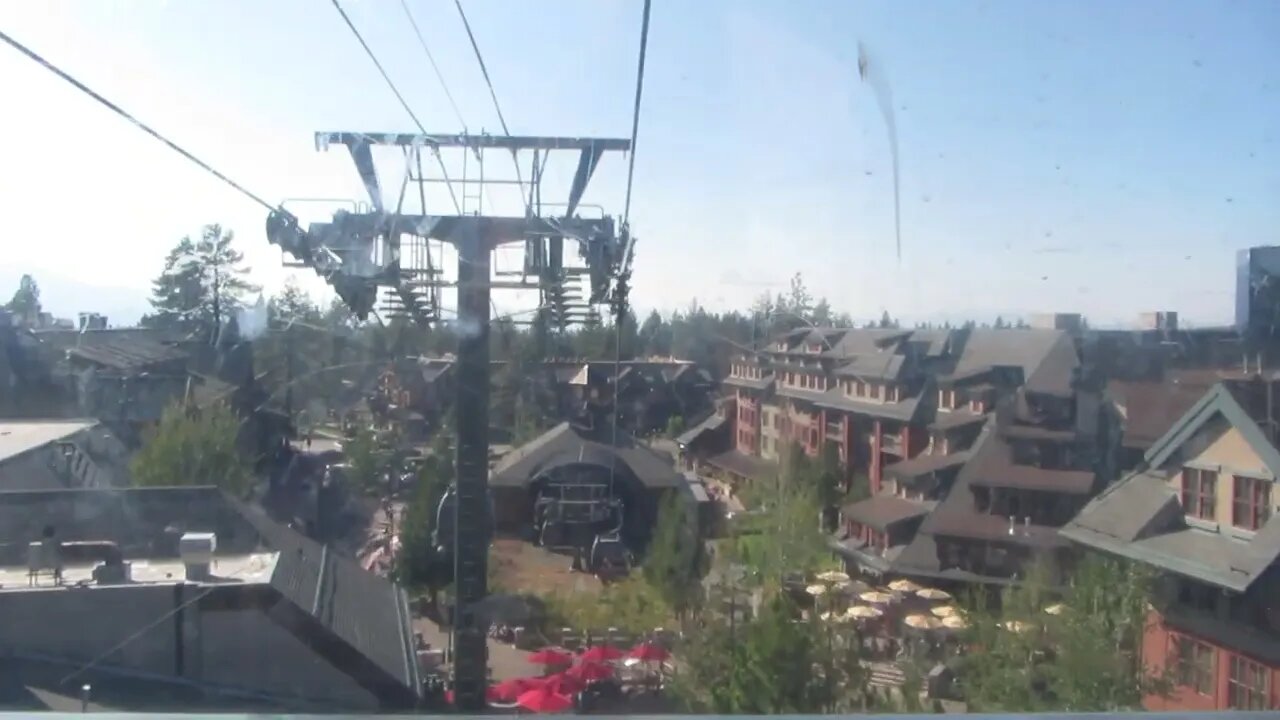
(1094, 157)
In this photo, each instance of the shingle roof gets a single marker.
(881, 511)
(926, 463)
(566, 443)
(1140, 517)
(742, 464)
(122, 348)
(879, 366)
(1047, 357)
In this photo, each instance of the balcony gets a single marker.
(892, 444)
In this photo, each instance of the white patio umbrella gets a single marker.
(903, 586)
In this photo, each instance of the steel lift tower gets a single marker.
(389, 256)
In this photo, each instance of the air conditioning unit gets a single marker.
(196, 552)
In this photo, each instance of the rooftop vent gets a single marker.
(196, 552)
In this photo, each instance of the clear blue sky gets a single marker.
(1092, 156)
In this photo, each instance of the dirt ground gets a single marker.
(518, 566)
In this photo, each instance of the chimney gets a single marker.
(1013, 524)
(196, 552)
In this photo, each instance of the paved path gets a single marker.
(505, 661)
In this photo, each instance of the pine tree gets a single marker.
(26, 299)
(202, 284)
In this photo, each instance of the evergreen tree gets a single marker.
(674, 560)
(202, 285)
(26, 299)
(191, 447)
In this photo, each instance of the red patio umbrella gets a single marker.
(551, 656)
(564, 683)
(649, 652)
(601, 653)
(543, 700)
(508, 691)
(590, 671)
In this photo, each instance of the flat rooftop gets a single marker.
(253, 568)
(17, 438)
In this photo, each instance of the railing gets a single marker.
(891, 444)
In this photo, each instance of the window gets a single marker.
(875, 391)
(860, 388)
(1193, 664)
(1198, 488)
(947, 399)
(777, 421)
(891, 393)
(1247, 686)
(1250, 502)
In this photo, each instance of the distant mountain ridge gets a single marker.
(65, 297)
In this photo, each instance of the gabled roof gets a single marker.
(1140, 517)
(566, 443)
(1218, 401)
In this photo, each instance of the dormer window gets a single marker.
(891, 393)
(946, 399)
(977, 406)
(1250, 502)
(875, 391)
(1199, 493)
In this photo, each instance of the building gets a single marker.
(974, 445)
(1202, 511)
(189, 588)
(572, 485)
(650, 391)
(48, 454)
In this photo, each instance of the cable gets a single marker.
(431, 59)
(391, 84)
(635, 114)
(484, 70)
(620, 316)
(137, 123)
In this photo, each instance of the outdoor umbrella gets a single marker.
(944, 611)
(833, 576)
(544, 700)
(550, 656)
(601, 653)
(589, 671)
(1055, 609)
(564, 684)
(933, 594)
(1015, 626)
(954, 622)
(816, 590)
(903, 586)
(649, 652)
(921, 622)
(863, 612)
(508, 691)
(876, 597)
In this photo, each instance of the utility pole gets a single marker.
(340, 252)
